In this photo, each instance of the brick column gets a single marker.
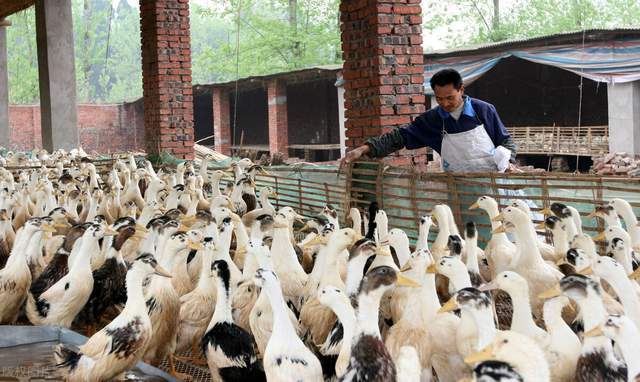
(222, 121)
(166, 77)
(278, 123)
(383, 65)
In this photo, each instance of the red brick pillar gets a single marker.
(222, 121)
(278, 123)
(166, 77)
(383, 65)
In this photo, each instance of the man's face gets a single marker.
(448, 97)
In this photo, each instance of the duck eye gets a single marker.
(505, 276)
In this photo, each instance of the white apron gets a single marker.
(470, 151)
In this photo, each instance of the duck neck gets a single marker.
(357, 222)
(169, 258)
(612, 220)
(222, 312)
(460, 280)
(423, 237)
(282, 326)
(367, 313)
(215, 187)
(355, 271)
(429, 295)
(521, 309)
(135, 295)
(347, 317)
(629, 217)
(560, 241)
(403, 252)
(440, 244)
(472, 255)
(624, 289)
(330, 273)
(89, 246)
(630, 352)
(570, 225)
(593, 311)
(242, 237)
(528, 246)
(483, 319)
(624, 257)
(204, 281)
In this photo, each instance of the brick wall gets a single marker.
(222, 121)
(278, 121)
(102, 128)
(383, 68)
(166, 77)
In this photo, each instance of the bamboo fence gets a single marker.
(406, 194)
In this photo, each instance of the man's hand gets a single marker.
(513, 169)
(353, 155)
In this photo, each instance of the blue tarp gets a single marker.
(611, 62)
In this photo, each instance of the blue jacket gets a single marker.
(426, 130)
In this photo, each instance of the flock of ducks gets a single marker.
(154, 263)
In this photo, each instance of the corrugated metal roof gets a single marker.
(590, 35)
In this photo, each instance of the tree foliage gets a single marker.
(467, 22)
(233, 38)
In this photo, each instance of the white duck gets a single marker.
(286, 358)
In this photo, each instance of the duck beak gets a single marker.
(500, 229)
(541, 225)
(315, 241)
(406, 267)
(561, 261)
(593, 214)
(432, 269)
(407, 282)
(601, 237)
(187, 220)
(489, 286)
(305, 228)
(635, 274)
(195, 245)
(449, 306)
(299, 218)
(483, 355)
(587, 271)
(48, 228)
(595, 332)
(553, 292)
(498, 218)
(474, 206)
(546, 211)
(274, 195)
(162, 272)
(110, 232)
(434, 221)
(264, 172)
(141, 228)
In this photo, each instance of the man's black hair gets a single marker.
(446, 77)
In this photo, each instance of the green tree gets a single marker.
(22, 60)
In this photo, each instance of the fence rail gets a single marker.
(406, 195)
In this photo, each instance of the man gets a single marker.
(466, 132)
